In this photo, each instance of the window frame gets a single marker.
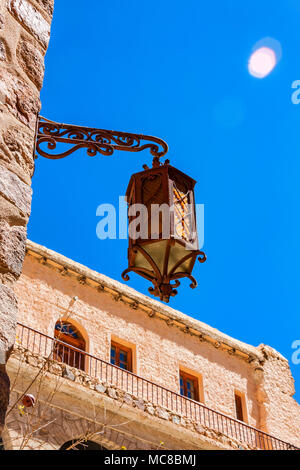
(186, 375)
(78, 343)
(243, 401)
(72, 357)
(118, 347)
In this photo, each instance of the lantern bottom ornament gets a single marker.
(147, 262)
(161, 205)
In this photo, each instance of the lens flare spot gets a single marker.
(262, 62)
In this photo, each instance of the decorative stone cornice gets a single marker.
(136, 300)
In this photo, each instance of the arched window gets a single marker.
(86, 445)
(69, 345)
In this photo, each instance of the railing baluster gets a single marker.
(40, 345)
(28, 331)
(33, 345)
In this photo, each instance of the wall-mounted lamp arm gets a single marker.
(94, 140)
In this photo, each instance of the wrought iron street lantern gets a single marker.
(163, 242)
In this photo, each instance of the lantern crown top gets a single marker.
(159, 167)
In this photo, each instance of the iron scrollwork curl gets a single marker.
(94, 140)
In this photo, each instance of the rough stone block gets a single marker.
(12, 247)
(162, 413)
(47, 5)
(18, 150)
(11, 213)
(151, 410)
(8, 318)
(13, 189)
(199, 428)
(68, 374)
(32, 62)
(100, 388)
(31, 19)
(55, 368)
(176, 419)
(112, 393)
(140, 404)
(19, 98)
(127, 399)
(2, 51)
(32, 360)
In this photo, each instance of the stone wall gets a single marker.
(275, 390)
(24, 37)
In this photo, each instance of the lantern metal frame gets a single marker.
(162, 278)
(105, 142)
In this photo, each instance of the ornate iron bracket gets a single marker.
(94, 140)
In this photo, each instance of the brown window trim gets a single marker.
(184, 376)
(119, 347)
(65, 352)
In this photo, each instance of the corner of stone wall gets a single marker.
(279, 411)
(24, 37)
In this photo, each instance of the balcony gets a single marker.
(49, 347)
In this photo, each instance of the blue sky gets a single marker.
(178, 70)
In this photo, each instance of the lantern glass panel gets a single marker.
(179, 252)
(183, 226)
(156, 251)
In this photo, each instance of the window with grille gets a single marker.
(68, 345)
(121, 356)
(189, 386)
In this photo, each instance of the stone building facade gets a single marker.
(84, 397)
(179, 384)
(24, 37)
